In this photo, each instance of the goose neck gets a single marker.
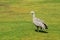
(33, 15)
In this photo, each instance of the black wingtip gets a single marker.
(46, 27)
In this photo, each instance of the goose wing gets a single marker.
(39, 20)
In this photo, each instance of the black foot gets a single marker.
(43, 31)
(37, 30)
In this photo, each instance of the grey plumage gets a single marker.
(38, 22)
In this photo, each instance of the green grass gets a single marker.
(16, 20)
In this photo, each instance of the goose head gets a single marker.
(33, 13)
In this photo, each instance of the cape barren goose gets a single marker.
(38, 23)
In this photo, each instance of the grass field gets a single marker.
(16, 20)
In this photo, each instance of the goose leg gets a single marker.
(37, 28)
(40, 28)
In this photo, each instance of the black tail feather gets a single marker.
(46, 27)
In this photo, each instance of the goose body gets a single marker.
(38, 22)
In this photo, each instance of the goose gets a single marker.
(38, 22)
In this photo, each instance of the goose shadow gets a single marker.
(41, 31)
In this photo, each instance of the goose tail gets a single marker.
(46, 27)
